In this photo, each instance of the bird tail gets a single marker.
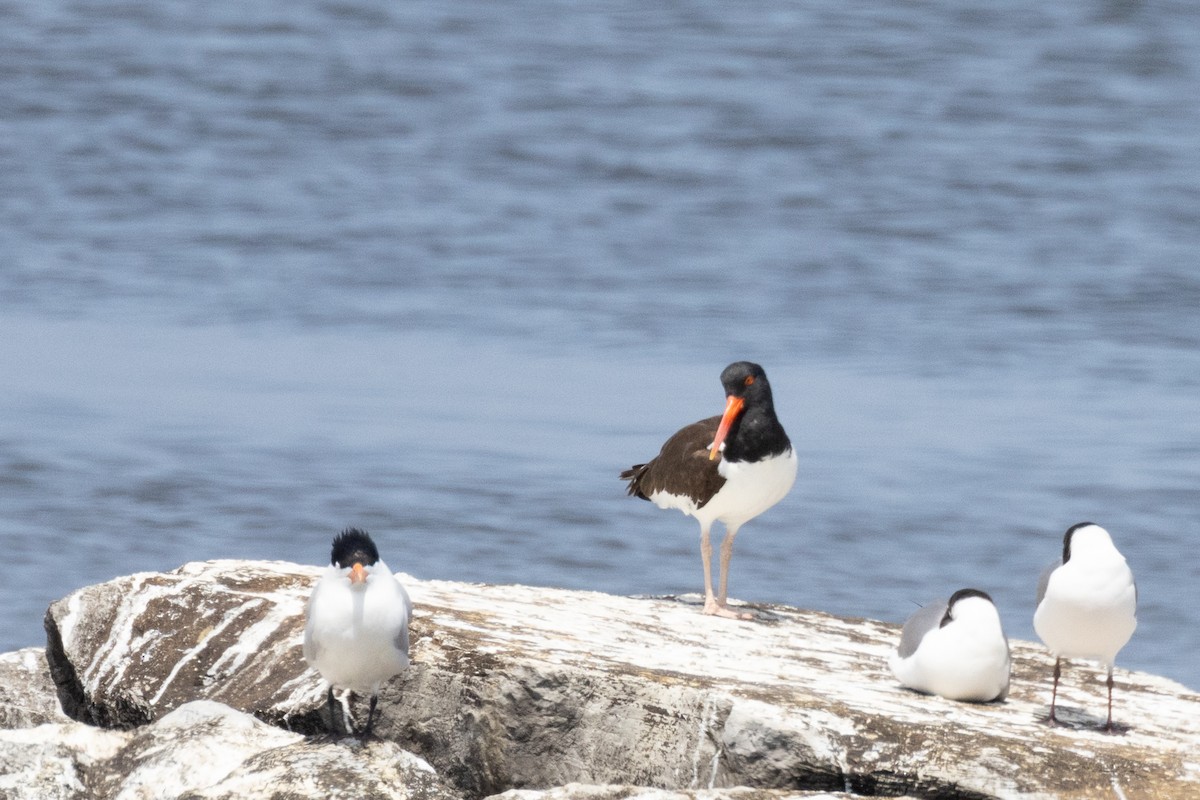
(634, 476)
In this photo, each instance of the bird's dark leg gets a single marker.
(1053, 720)
(332, 711)
(1108, 726)
(370, 716)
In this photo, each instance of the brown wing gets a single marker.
(682, 467)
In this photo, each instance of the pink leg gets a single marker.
(726, 556)
(713, 605)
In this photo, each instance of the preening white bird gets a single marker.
(1086, 605)
(356, 635)
(955, 648)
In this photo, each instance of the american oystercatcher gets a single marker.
(1086, 605)
(729, 468)
(955, 648)
(358, 614)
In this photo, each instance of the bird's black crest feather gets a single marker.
(961, 594)
(353, 546)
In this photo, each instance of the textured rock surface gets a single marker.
(578, 791)
(27, 695)
(522, 687)
(54, 761)
(204, 750)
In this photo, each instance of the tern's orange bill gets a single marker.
(733, 407)
(358, 574)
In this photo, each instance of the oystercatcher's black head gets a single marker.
(748, 395)
(748, 381)
(353, 546)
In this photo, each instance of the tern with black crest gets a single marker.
(356, 634)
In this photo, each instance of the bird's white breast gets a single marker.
(351, 635)
(751, 487)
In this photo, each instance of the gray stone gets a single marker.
(205, 750)
(517, 687)
(54, 761)
(27, 694)
(579, 791)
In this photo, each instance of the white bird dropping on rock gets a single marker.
(1086, 605)
(956, 649)
(356, 634)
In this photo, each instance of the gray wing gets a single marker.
(1044, 581)
(401, 640)
(922, 622)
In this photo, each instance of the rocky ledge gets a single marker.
(194, 679)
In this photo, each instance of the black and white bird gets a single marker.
(1086, 605)
(727, 468)
(955, 648)
(356, 634)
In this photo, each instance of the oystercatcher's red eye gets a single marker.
(749, 379)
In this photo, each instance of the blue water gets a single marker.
(443, 270)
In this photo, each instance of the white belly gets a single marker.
(751, 487)
(356, 639)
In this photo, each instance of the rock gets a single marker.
(204, 750)
(517, 687)
(148, 643)
(54, 761)
(27, 694)
(578, 791)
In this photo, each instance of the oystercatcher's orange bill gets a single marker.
(733, 407)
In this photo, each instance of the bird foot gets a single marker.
(713, 608)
